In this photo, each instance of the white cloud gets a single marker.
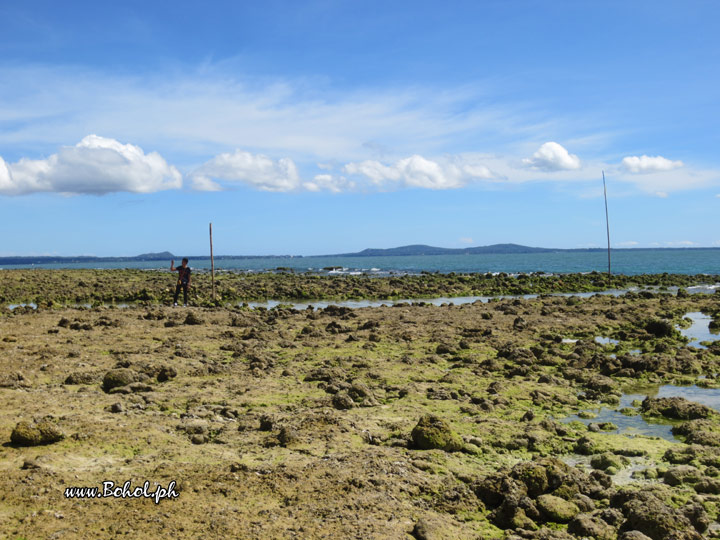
(203, 183)
(191, 116)
(466, 240)
(198, 113)
(329, 182)
(681, 243)
(629, 243)
(6, 183)
(96, 165)
(374, 170)
(419, 172)
(552, 156)
(255, 170)
(661, 184)
(647, 164)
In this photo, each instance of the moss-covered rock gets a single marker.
(119, 377)
(432, 432)
(49, 432)
(26, 434)
(194, 319)
(682, 474)
(648, 514)
(342, 401)
(607, 461)
(533, 475)
(165, 373)
(676, 407)
(660, 328)
(589, 526)
(556, 509)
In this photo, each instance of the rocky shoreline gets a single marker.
(58, 288)
(412, 421)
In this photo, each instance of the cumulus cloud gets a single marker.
(328, 182)
(255, 170)
(552, 156)
(5, 180)
(648, 164)
(96, 165)
(419, 172)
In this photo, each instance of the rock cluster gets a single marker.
(27, 434)
(546, 491)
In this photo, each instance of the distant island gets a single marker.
(421, 249)
(52, 259)
(411, 250)
(164, 256)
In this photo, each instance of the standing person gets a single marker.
(183, 280)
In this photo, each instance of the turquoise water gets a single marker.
(629, 262)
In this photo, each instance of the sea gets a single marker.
(628, 262)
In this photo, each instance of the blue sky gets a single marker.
(331, 126)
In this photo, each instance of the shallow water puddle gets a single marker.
(633, 425)
(622, 477)
(699, 331)
(606, 341)
(457, 300)
(13, 306)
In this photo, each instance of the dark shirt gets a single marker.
(183, 275)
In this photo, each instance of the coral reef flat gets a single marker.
(412, 421)
(70, 287)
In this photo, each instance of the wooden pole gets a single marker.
(212, 265)
(607, 221)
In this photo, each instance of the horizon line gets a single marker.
(349, 254)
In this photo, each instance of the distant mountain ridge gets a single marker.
(411, 250)
(50, 259)
(421, 249)
(165, 256)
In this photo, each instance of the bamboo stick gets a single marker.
(607, 222)
(212, 264)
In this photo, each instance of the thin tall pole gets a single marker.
(212, 265)
(607, 221)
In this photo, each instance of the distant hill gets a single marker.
(49, 259)
(420, 249)
(154, 256)
(164, 256)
